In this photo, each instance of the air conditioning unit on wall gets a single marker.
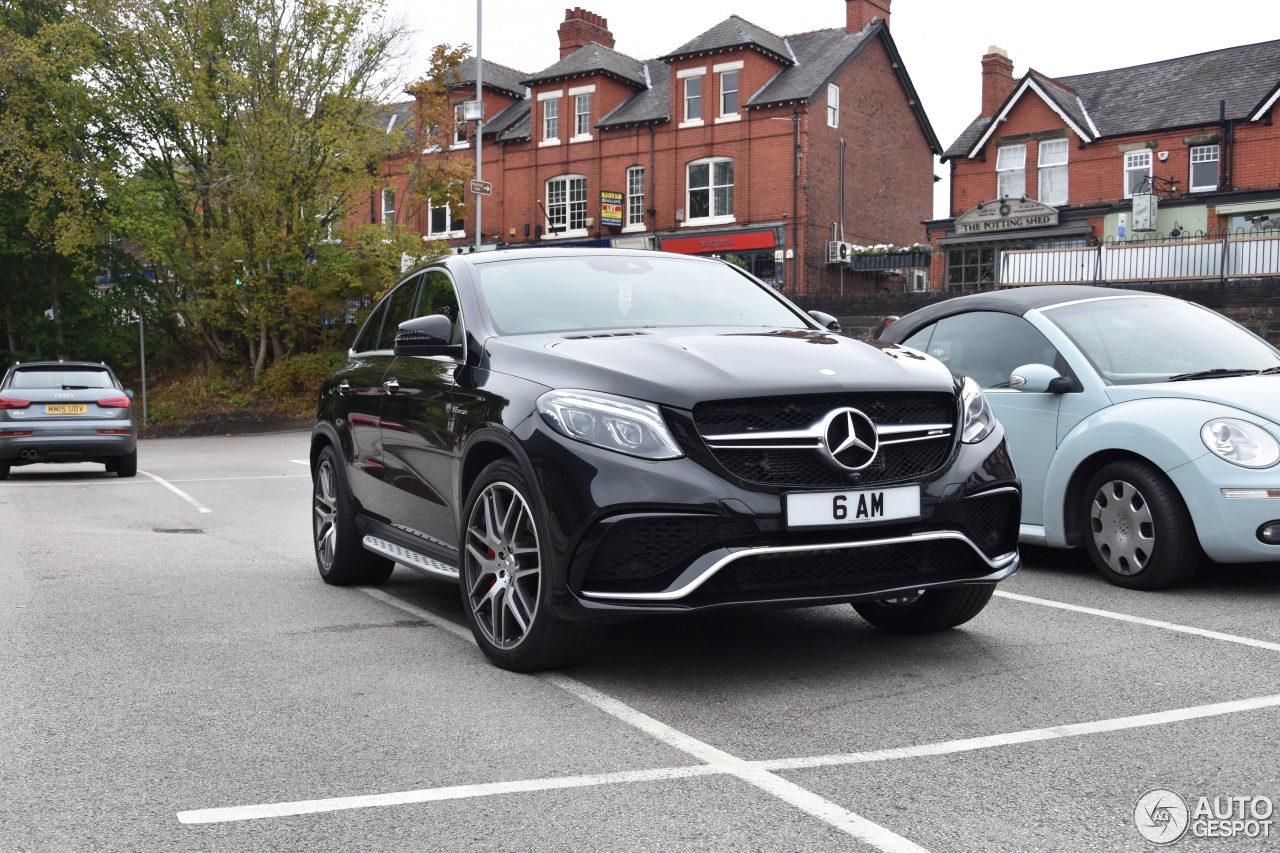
(838, 252)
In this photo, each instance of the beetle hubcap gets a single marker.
(1122, 526)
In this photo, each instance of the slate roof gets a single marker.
(730, 33)
(504, 124)
(397, 115)
(1173, 93)
(592, 58)
(649, 106)
(496, 76)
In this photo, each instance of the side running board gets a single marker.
(410, 558)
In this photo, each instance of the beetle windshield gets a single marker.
(602, 292)
(1154, 339)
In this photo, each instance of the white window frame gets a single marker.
(1138, 162)
(635, 210)
(459, 125)
(562, 205)
(686, 75)
(388, 210)
(1200, 154)
(1011, 171)
(713, 217)
(549, 102)
(724, 70)
(833, 105)
(581, 117)
(1051, 162)
(450, 232)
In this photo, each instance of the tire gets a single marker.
(503, 577)
(928, 611)
(4, 470)
(127, 465)
(1136, 528)
(340, 557)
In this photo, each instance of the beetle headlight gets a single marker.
(627, 426)
(979, 420)
(1241, 443)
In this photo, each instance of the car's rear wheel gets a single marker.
(127, 465)
(4, 470)
(340, 557)
(926, 610)
(1136, 529)
(505, 584)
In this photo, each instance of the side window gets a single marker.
(402, 305)
(439, 297)
(986, 346)
(368, 338)
(920, 340)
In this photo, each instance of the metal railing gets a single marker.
(1197, 257)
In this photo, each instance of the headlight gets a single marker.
(1241, 443)
(614, 423)
(979, 420)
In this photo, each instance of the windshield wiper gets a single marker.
(1215, 373)
(1269, 371)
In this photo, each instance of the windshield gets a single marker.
(601, 292)
(55, 377)
(1154, 339)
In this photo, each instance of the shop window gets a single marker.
(635, 197)
(567, 206)
(1052, 168)
(1137, 171)
(971, 268)
(710, 190)
(1011, 171)
(1204, 168)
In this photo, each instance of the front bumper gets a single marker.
(629, 536)
(1228, 527)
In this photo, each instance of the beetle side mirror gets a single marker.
(826, 321)
(428, 335)
(1038, 379)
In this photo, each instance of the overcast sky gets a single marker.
(941, 41)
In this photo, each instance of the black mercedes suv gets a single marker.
(579, 436)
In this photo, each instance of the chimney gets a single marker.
(997, 80)
(859, 13)
(580, 28)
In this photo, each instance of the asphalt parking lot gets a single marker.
(177, 677)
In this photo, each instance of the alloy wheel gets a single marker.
(503, 565)
(325, 505)
(1122, 527)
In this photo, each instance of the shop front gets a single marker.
(758, 250)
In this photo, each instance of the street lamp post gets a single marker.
(480, 120)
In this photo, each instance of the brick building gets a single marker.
(1183, 147)
(759, 148)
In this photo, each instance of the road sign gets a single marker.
(481, 187)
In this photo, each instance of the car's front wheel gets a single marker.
(1136, 528)
(341, 558)
(4, 470)
(926, 610)
(505, 584)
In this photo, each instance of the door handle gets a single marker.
(344, 388)
(392, 386)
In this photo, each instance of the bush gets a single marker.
(294, 382)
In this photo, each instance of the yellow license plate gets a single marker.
(66, 409)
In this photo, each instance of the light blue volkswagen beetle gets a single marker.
(1145, 429)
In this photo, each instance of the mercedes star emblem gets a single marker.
(850, 439)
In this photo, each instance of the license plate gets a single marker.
(66, 409)
(827, 509)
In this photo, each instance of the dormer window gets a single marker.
(691, 88)
(1011, 171)
(580, 98)
(727, 73)
(549, 103)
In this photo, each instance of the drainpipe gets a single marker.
(650, 182)
(795, 199)
(842, 213)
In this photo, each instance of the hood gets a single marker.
(1258, 395)
(683, 367)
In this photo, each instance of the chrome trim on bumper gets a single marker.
(997, 564)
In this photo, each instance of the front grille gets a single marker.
(808, 570)
(991, 521)
(805, 467)
(643, 548)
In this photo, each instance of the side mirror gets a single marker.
(428, 335)
(128, 392)
(826, 321)
(1038, 379)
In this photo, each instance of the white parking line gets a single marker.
(306, 462)
(171, 487)
(1139, 620)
